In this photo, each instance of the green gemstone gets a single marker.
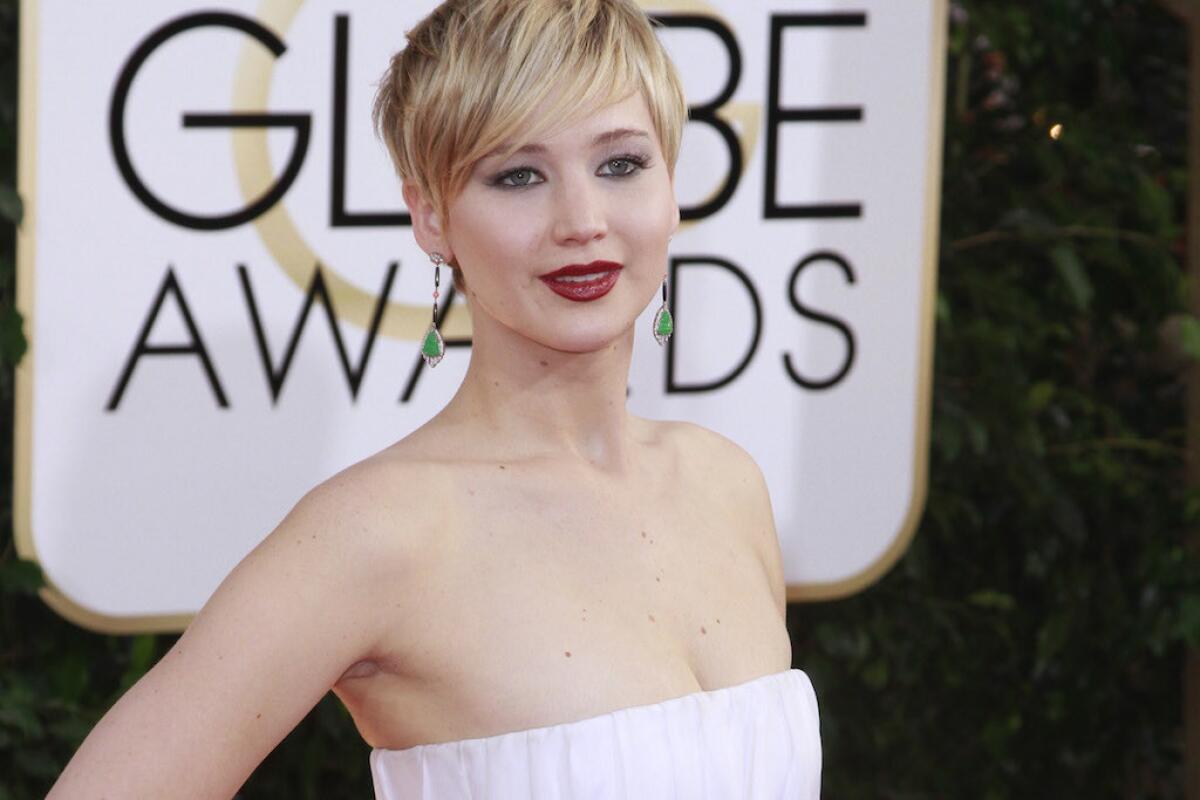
(664, 325)
(432, 346)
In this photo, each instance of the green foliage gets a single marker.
(1030, 642)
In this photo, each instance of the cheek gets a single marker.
(487, 236)
(652, 220)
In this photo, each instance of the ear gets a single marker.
(426, 222)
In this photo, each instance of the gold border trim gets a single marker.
(276, 229)
(51, 594)
(26, 168)
(860, 580)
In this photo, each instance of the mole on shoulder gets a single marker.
(568, 652)
(544, 363)
(703, 631)
(503, 467)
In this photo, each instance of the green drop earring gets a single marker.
(432, 345)
(664, 324)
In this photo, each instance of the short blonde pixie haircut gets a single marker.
(476, 74)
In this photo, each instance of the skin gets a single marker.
(533, 555)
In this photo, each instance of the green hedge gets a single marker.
(1030, 643)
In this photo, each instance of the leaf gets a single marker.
(23, 719)
(141, 656)
(1071, 271)
(38, 763)
(943, 309)
(12, 338)
(1040, 395)
(992, 599)
(1189, 336)
(1155, 204)
(11, 207)
(142, 652)
(1027, 221)
(1189, 620)
(20, 577)
(977, 435)
(69, 676)
(875, 675)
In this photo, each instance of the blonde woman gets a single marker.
(536, 594)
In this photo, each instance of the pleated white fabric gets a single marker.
(758, 740)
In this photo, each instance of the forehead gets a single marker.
(625, 119)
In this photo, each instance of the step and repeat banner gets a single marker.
(224, 299)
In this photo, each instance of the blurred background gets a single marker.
(1033, 641)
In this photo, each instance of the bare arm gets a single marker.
(736, 469)
(274, 637)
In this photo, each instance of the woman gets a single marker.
(536, 594)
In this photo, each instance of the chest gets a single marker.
(551, 603)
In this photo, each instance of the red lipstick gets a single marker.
(573, 283)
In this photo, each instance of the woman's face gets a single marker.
(595, 196)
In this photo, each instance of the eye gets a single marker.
(515, 178)
(623, 166)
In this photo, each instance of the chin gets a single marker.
(580, 342)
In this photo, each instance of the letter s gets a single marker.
(826, 319)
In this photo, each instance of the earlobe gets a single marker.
(426, 223)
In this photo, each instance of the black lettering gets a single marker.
(707, 112)
(826, 319)
(316, 289)
(677, 265)
(194, 348)
(301, 123)
(339, 217)
(777, 116)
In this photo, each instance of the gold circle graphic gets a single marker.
(283, 240)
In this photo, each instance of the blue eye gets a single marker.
(624, 166)
(516, 178)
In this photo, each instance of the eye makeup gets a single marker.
(638, 161)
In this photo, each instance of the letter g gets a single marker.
(116, 123)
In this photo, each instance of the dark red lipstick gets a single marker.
(573, 281)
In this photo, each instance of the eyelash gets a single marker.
(640, 163)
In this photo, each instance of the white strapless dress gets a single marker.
(758, 740)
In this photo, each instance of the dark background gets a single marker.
(1031, 642)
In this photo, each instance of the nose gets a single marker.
(579, 215)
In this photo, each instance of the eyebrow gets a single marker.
(608, 137)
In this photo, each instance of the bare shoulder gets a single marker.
(719, 456)
(386, 506)
(279, 631)
(345, 542)
(724, 469)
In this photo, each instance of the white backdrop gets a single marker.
(803, 293)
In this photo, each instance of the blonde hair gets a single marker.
(477, 73)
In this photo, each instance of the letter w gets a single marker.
(316, 289)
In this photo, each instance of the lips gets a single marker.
(583, 282)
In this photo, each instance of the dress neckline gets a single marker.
(702, 694)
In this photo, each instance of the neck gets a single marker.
(534, 401)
